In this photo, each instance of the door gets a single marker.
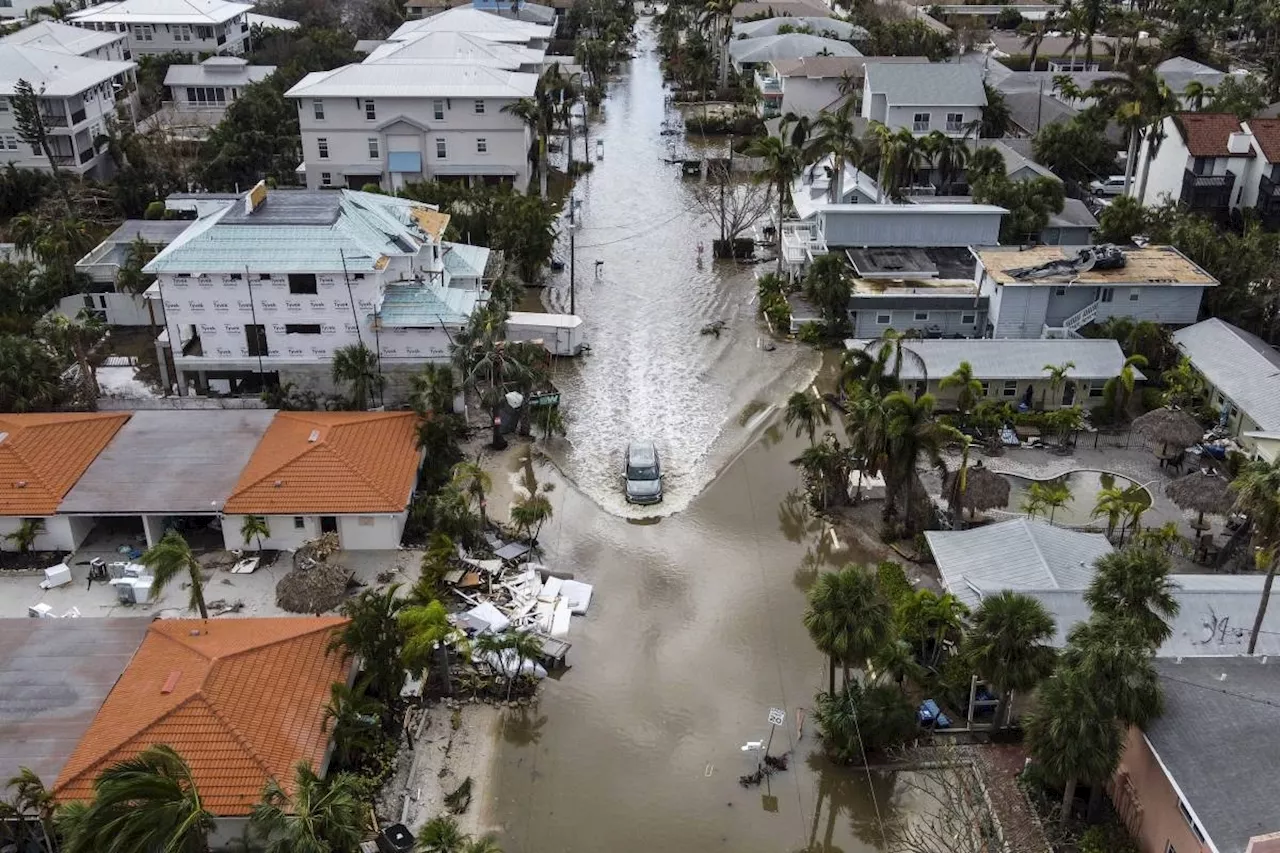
(1068, 393)
(328, 524)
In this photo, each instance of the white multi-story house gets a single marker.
(199, 95)
(76, 41)
(78, 96)
(388, 124)
(466, 19)
(1212, 163)
(195, 27)
(270, 284)
(924, 96)
(445, 48)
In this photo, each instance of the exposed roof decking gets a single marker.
(1159, 265)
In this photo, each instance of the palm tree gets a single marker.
(1008, 643)
(1134, 584)
(30, 797)
(1056, 494)
(826, 285)
(1033, 502)
(526, 647)
(970, 387)
(1257, 490)
(912, 432)
(866, 427)
(473, 481)
(171, 558)
(426, 627)
(26, 534)
(1119, 389)
(782, 162)
(373, 635)
(1057, 378)
(948, 155)
(897, 661)
(433, 389)
(315, 816)
(358, 367)
(77, 338)
(806, 411)
(529, 513)
(536, 119)
(1139, 101)
(1033, 33)
(352, 719)
(837, 136)
(148, 802)
(1073, 734)
(1110, 654)
(848, 618)
(1195, 93)
(254, 527)
(1113, 504)
(442, 835)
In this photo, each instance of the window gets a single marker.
(920, 124)
(299, 523)
(1133, 294)
(373, 148)
(264, 276)
(1191, 822)
(1095, 389)
(255, 338)
(365, 521)
(326, 179)
(986, 388)
(328, 524)
(317, 107)
(144, 32)
(482, 145)
(921, 317)
(4, 105)
(442, 150)
(235, 276)
(1010, 388)
(302, 328)
(1108, 294)
(884, 319)
(206, 95)
(1059, 291)
(968, 319)
(358, 276)
(10, 142)
(370, 109)
(181, 32)
(322, 145)
(437, 110)
(955, 122)
(479, 107)
(1202, 165)
(302, 283)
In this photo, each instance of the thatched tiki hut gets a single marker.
(983, 489)
(1171, 427)
(1205, 491)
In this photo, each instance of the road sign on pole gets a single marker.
(777, 716)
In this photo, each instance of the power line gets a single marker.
(638, 234)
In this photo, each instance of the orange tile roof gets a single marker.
(245, 703)
(43, 455)
(1267, 132)
(357, 462)
(1207, 134)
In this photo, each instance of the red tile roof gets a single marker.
(1267, 132)
(43, 455)
(1207, 134)
(242, 700)
(330, 463)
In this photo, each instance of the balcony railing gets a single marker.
(1268, 190)
(769, 85)
(1224, 181)
(51, 120)
(86, 155)
(64, 159)
(1207, 192)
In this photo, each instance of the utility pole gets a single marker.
(573, 204)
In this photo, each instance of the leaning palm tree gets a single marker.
(359, 368)
(171, 558)
(1057, 378)
(473, 481)
(782, 162)
(315, 816)
(1134, 584)
(1257, 490)
(1008, 643)
(1111, 503)
(148, 802)
(254, 527)
(848, 618)
(805, 412)
(31, 798)
(970, 387)
(529, 513)
(526, 647)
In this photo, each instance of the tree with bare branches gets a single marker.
(953, 812)
(733, 205)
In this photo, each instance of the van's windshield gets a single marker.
(642, 472)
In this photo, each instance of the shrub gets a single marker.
(893, 582)
(1152, 398)
(810, 333)
(155, 210)
(881, 715)
(1107, 838)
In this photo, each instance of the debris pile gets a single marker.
(314, 585)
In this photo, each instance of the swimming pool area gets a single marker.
(1084, 486)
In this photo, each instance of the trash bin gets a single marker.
(395, 839)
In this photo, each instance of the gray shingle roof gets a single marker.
(1011, 358)
(1075, 214)
(1021, 554)
(1243, 366)
(926, 84)
(1217, 739)
(1032, 111)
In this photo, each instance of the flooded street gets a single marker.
(695, 628)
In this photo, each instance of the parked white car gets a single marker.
(1109, 186)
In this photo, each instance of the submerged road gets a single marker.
(695, 630)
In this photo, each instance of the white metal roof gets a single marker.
(788, 46)
(161, 12)
(465, 19)
(550, 321)
(54, 36)
(826, 27)
(1241, 365)
(450, 47)
(427, 80)
(1009, 358)
(924, 84)
(270, 22)
(53, 73)
(1021, 554)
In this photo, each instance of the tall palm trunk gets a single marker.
(1131, 160)
(781, 195)
(1068, 797)
(1262, 606)
(543, 167)
(1002, 710)
(1146, 165)
(831, 676)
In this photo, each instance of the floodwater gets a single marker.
(695, 629)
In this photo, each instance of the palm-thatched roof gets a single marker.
(984, 489)
(1202, 491)
(1170, 427)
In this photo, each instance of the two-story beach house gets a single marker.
(924, 96)
(76, 41)
(154, 27)
(268, 285)
(77, 97)
(1054, 291)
